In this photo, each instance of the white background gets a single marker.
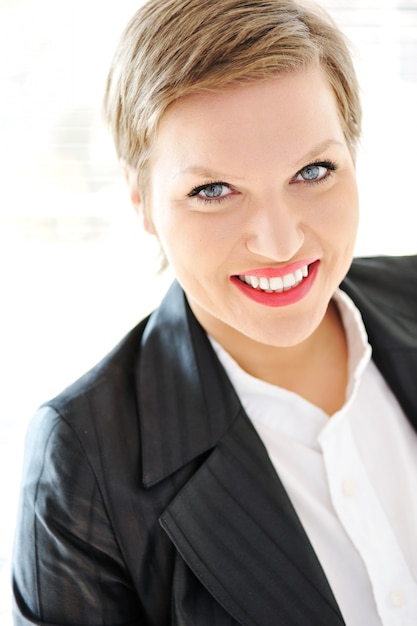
(76, 272)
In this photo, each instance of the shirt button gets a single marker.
(397, 598)
(348, 487)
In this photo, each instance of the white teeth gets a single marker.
(277, 283)
(289, 281)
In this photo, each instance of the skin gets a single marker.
(258, 140)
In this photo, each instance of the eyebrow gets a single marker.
(319, 149)
(204, 172)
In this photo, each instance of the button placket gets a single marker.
(365, 522)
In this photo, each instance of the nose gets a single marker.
(275, 230)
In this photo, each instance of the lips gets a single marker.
(278, 286)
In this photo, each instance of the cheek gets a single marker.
(180, 237)
(194, 233)
(342, 212)
(351, 208)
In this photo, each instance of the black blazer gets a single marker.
(148, 498)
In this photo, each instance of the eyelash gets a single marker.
(194, 192)
(331, 166)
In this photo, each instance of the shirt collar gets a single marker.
(359, 349)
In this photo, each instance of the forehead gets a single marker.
(282, 116)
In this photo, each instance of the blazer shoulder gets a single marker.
(394, 265)
(388, 283)
(98, 388)
(99, 412)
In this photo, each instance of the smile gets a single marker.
(276, 284)
(265, 287)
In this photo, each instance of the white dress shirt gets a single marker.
(352, 480)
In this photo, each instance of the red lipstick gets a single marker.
(282, 298)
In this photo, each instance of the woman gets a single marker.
(194, 476)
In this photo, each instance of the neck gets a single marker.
(315, 369)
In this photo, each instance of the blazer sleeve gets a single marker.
(67, 565)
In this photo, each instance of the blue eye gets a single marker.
(312, 172)
(315, 172)
(212, 191)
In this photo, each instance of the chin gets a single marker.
(283, 338)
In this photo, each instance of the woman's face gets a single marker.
(253, 197)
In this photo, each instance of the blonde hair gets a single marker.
(172, 48)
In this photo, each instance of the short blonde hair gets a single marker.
(172, 48)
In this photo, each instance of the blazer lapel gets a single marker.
(237, 530)
(185, 399)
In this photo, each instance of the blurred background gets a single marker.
(76, 272)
